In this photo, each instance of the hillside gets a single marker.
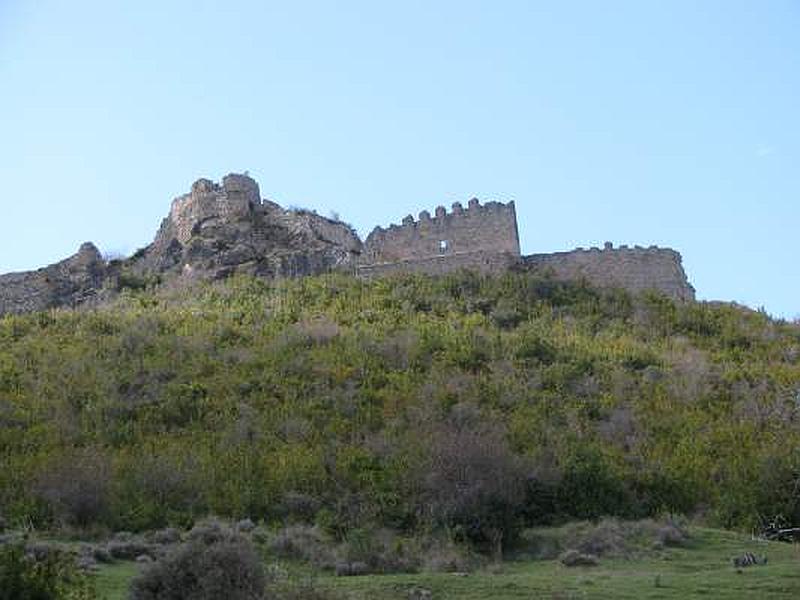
(481, 403)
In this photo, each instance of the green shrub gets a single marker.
(53, 576)
(75, 487)
(590, 489)
(215, 563)
(607, 537)
(314, 401)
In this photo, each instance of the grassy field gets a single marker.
(113, 580)
(702, 568)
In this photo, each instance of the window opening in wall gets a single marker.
(444, 246)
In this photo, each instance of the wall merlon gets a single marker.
(475, 209)
(622, 249)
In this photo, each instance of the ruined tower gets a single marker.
(482, 237)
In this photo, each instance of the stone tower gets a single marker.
(482, 237)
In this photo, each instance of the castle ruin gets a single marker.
(483, 238)
(234, 199)
(217, 230)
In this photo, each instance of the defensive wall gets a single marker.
(485, 238)
(635, 269)
(219, 229)
(482, 237)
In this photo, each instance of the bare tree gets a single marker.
(473, 481)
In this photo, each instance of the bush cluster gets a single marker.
(51, 576)
(469, 405)
(214, 563)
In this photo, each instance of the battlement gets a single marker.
(635, 269)
(608, 248)
(474, 210)
(489, 229)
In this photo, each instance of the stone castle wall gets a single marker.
(217, 230)
(635, 269)
(483, 262)
(473, 237)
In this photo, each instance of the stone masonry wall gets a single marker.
(483, 262)
(634, 269)
(464, 237)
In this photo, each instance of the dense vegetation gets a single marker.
(470, 405)
(50, 576)
(214, 563)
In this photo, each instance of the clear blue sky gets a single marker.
(644, 122)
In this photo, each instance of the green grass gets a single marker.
(112, 580)
(700, 569)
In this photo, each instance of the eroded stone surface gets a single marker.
(68, 283)
(217, 230)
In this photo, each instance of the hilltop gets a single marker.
(219, 230)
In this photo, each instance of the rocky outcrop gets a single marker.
(217, 230)
(212, 232)
(70, 282)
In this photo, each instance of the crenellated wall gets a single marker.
(635, 269)
(444, 239)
